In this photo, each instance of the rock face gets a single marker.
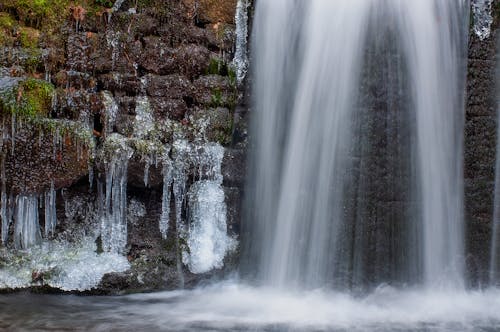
(153, 75)
(480, 151)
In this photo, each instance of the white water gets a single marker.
(308, 57)
(232, 307)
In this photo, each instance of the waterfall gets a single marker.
(330, 112)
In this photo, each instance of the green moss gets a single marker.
(37, 13)
(216, 98)
(29, 37)
(30, 98)
(6, 21)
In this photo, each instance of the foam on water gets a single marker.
(231, 306)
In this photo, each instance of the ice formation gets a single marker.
(50, 211)
(481, 10)
(27, 228)
(111, 110)
(241, 55)
(205, 231)
(114, 208)
(61, 265)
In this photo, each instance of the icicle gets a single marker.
(114, 222)
(13, 134)
(241, 57)
(110, 109)
(3, 202)
(207, 237)
(27, 228)
(3, 215)
(50, 211)
(165, 202)
(180, 169)
(91, 175)
(147, 164)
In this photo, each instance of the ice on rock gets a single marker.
(207, 239)
(61, 265)
(481, 10)
(111, 110)
(114, 216)
(144, 122)
(27, 228)
(166, 196)
(4, 208)
(50, 211)
(205, 231)
(241, 54)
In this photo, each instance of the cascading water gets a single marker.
(304, 193)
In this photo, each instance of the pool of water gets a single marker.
(237, 307)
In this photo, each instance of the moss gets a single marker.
(28, 37)
(30, 98)
(6, 21)
(216, 98)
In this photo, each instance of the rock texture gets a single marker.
(153, 72)
(480, 151)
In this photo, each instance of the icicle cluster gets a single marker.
(205, 231)
(481, 10)
(241, 55)
(27, 227)
(23, 211)
(114, 203)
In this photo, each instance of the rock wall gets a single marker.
(150, 73)
(480, 150)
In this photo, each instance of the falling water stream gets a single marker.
(310, 97)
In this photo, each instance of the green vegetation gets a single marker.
(30, 98)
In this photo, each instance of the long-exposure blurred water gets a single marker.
(236, 307)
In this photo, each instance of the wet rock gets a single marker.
(118, 82)
(34, 152)
(212, 11)
(234, 168)
(174, 86)
(193, 60)
(214, 90)
(167, 108)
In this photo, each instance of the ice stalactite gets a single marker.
(50, 211)
(205, 230)
(241, 54)
(27, 228)
(114, 217)
(481, 10)
(166, 196)
(4, 209)
(110, 109)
